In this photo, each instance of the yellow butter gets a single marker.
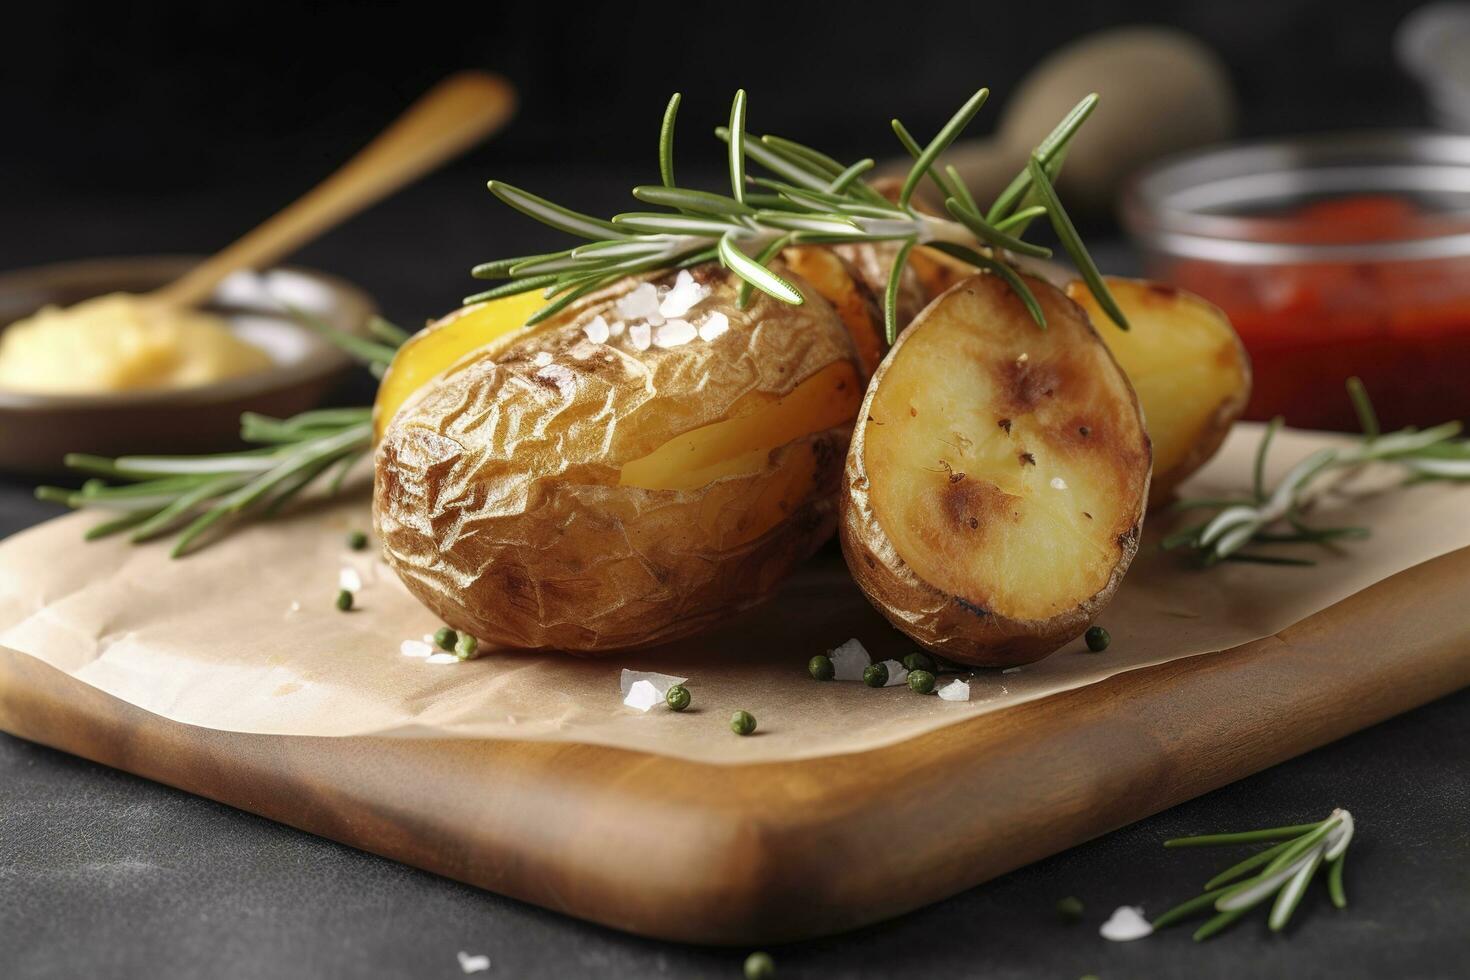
(120, 342)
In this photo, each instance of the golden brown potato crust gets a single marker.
(1007, 500)
(498, 499)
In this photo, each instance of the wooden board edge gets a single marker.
(782, 851)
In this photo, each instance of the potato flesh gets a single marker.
(431, 352)
(1004, 461)
(1185, 362)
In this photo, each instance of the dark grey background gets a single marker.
(168, 128)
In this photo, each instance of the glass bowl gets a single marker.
(1334, 256)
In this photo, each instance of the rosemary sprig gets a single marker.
(1287, 867)
(1277, 515)
(156, 495)
(811, 198)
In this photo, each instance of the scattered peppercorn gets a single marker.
(1070, 909)
(356, 540)
(1097, 639)
(344, 600)
(919, 661)
(742, 723)
(820, 667)
(677, 697)
(875, 675)
(465, 647)
(921, 682)
(445, 638)
(759, 966)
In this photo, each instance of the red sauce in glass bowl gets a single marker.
(1333, 257)
(1401, 326)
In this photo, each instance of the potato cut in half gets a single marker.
(1189, 368)
(997, 476)
(612, 478)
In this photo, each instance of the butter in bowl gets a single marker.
(88, 371)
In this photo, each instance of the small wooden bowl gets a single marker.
(37, 429)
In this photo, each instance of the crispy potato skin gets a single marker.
(498, 496)
(1067, 401)
(1190, 369)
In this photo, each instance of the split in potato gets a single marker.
(1189, 368)
(997, 476)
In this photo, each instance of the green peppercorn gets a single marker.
(1070, 909)
(921, 682)
(875, 675)
(344, 600)
(820, 667)
(356, 540)
(759, 966)
(677, 697)
(742, 723)
(445, 638)
(919, 661)
(465, 646)
(1097, 639)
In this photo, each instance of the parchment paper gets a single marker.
(243, 635)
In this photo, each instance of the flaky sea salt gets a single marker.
(897, 673)
(683, 297)
(1125, 925)
(849, 661)
(714, 325)
(641, 304)
(416, 648)
(674, 333)
(642, 689)
(349, 579)
(639, 334)
(542, 358)
(616, 328)
(442, 658)
(1057, 483)
(955, 691)
(597, 331)
(473, 963)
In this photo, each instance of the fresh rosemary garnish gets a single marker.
(155, 495)
(1286, 868)
(810, 199)
(1277, 515)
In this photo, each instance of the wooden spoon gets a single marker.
(446, 121)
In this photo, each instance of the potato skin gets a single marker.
(964, 628)
(498, 501)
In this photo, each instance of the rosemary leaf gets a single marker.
(890, 295)
(1062, 224)
(666, 141)
(940, 143)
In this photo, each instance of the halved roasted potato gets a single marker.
(1190, 370)
(835, 279)
(605, 480)
(996, 481)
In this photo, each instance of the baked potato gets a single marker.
(602, 481)
(1190, 370)
(996, 481)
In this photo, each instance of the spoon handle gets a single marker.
(446, 121)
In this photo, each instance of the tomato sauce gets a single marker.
(1402, 325)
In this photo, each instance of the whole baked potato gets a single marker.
(615, 477)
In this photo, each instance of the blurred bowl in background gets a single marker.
(37, 429)
(1334, 256)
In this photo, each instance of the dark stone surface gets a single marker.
(103, 874)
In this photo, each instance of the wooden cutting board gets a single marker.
(782, 851)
